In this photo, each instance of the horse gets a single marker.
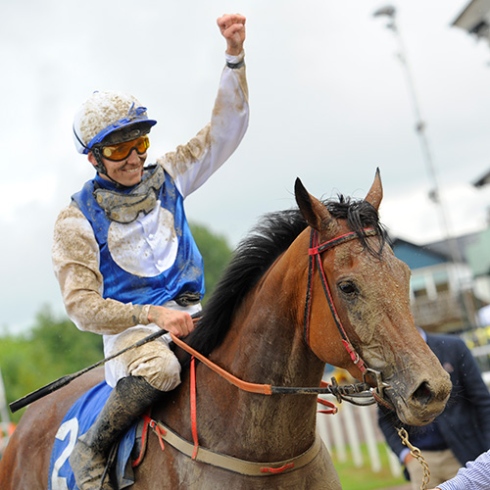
(311, 285)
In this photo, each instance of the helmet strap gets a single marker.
(100, 167)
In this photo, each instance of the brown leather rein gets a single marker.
(360, 390)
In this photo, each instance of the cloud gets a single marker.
(329, 103)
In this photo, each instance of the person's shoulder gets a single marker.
(446, 341)
(70, 211)
(69, 215)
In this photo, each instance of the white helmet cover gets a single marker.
(102, 114)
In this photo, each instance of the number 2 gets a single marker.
(68, 428)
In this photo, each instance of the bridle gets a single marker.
(315, 261)
(359, 393)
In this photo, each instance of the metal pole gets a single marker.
(436, 196)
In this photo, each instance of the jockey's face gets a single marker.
(127, 172)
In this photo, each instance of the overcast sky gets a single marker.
(329, 104)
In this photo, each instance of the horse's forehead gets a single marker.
(353, 255)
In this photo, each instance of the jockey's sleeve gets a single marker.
(75, 256)
(192, 164)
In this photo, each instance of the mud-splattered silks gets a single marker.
(147, 252)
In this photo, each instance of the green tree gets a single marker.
(66, 346)
(216, 254)
(52, 348)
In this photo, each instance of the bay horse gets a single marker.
(315, 285)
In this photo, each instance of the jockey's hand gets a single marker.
(232, 27)
(177, 322)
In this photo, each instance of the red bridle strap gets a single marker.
(314, 253)
(193, 400)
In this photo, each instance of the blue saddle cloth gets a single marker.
(76, 422)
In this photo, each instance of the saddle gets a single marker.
(76, 422)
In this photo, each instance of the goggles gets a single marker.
(122, 151)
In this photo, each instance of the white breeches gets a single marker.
(154, 361)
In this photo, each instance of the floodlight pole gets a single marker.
(420, 127)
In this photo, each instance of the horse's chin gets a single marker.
(416, 419)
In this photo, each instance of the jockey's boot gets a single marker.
(129, 399)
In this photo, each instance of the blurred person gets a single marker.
(460, 433)
(474, 476)
(123, 251)
(484, 316)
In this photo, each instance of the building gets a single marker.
(475, 19)
(441, 291)
(483, 180)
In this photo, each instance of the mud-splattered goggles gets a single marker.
(122, 151)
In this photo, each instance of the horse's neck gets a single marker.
(264, 346)
(266, 340)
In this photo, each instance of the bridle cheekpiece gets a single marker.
(315, 262)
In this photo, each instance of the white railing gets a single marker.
(351, 427)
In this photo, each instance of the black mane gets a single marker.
(255, 254)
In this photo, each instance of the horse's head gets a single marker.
(369, 306)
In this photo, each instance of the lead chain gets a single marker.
(415, 452)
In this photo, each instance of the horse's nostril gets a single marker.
(423, 394)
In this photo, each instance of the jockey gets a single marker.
(123, 252)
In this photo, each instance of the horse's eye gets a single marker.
(348, 288)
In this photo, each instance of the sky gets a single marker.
(329, 101)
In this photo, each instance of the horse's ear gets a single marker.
(375, 194)
(313, 211)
